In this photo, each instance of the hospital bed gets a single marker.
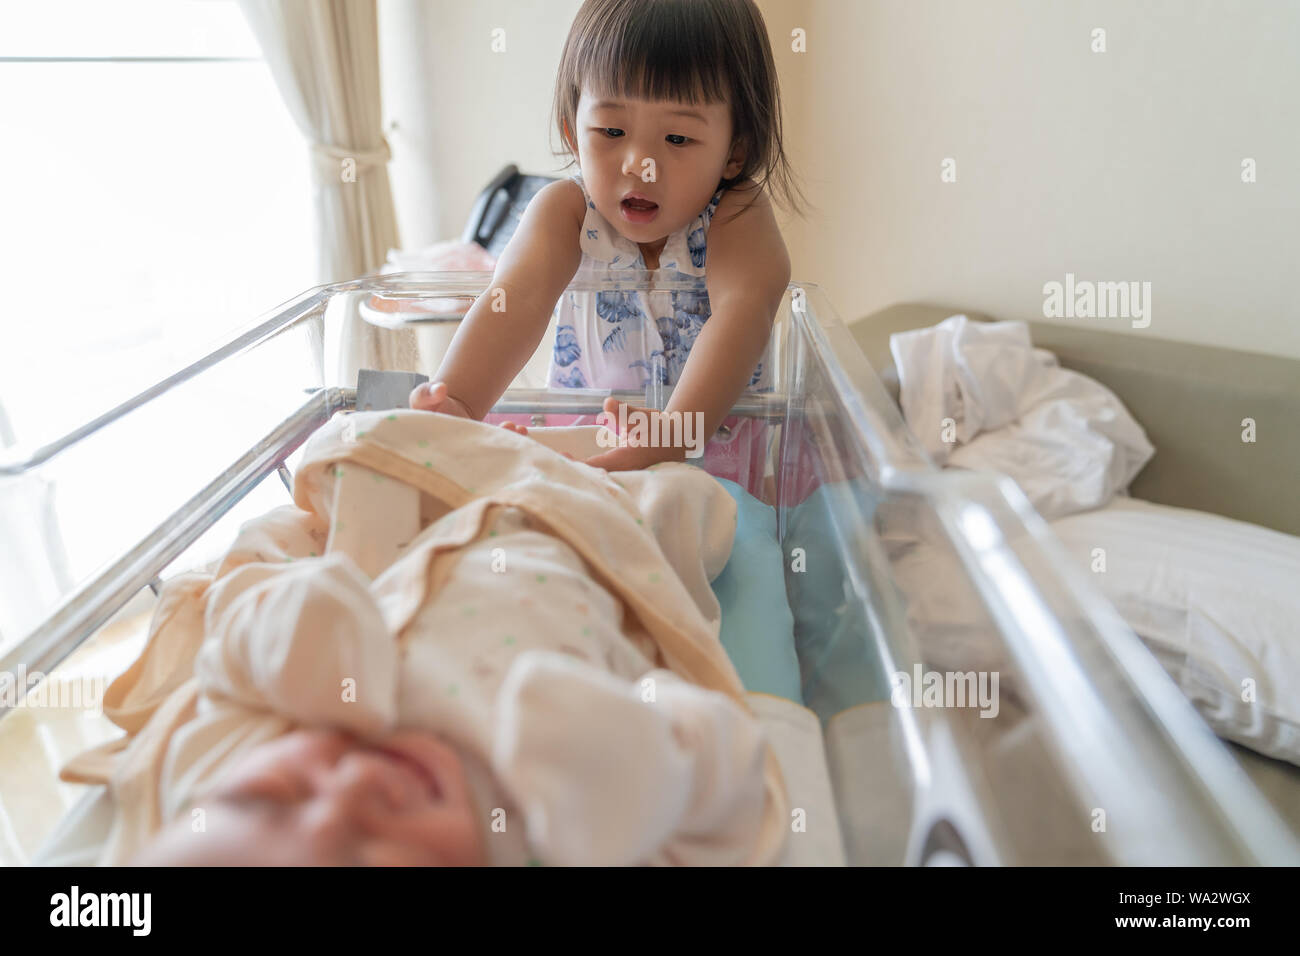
(1191, 400)
(1092, 756)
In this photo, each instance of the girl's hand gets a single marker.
(628, 457)
(433, 397)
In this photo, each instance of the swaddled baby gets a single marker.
(552, 622)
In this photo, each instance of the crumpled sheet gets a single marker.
(978, 395)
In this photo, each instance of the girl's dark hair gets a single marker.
(689, 50)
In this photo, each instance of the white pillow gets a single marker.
(1218, 603)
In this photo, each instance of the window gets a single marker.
(156, 196)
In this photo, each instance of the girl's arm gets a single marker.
(503, 327)
(747, 272)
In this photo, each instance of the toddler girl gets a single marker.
(670, 107)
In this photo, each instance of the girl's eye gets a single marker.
(613, 133)
(673, 137)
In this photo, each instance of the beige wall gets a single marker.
(463, 111)
(1115, 166)
(1123, 165)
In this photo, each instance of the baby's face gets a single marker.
(686, 147)
(322, 798)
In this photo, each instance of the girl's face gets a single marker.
(669, 154)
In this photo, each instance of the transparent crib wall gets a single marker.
(407, 320)
(82, 508)
(68, 516)
(901, 567)
(1053, 737)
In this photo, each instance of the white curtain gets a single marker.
(34, 572)
(324, 55)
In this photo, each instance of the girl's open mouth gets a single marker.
(638, 210)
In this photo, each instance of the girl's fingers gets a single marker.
(427, 396)
(612, 406)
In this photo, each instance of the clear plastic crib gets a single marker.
(895, 571)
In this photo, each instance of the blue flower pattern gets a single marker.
(650, 365)
(566, 346)
(695, 241)
(679, 330)
(632, 348)
(571, 378)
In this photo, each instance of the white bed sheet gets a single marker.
(1216, 601)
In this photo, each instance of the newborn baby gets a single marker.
(551, 621)
(322, 798)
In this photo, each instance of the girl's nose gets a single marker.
(634, 163)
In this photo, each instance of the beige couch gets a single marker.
(1191, 399)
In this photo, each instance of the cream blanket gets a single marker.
(553, 621)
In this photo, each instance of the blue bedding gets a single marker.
(757, 625)
(835, 639)
(820, 652)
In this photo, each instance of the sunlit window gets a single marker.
(156, 195)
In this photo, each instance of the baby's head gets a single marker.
(322, 798)
(671, 99)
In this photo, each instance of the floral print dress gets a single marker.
(618, 340)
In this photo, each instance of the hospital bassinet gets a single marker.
(892, 567)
